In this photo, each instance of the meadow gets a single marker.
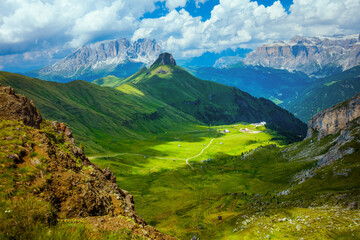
(187, 199)
(233, 190)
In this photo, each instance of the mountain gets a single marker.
(319, 56)
(213, 59)
(102, 118)
(274, 84)
(45, 178)
(112, 57)
(209, 102)
(324, 93)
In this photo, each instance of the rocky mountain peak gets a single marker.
(96, 60)
(165, 59)
(319, 56)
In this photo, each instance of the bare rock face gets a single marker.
(334, 119)
(165, 59)
(18, 107)
(103, 56)
(309, 54)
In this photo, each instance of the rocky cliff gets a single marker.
(46, 165)
(319, 56)
(118, 57)
(342, 119)
(334, 119)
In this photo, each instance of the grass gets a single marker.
(169, 193)
(239, 184)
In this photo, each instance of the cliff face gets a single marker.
(92, 61)
(312, 55)
(342, 119)
(46, 164)
(334, 119)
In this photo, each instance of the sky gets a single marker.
(34, 33)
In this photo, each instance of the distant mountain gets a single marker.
(212, 59)
(325, 93)
(274, 84)
(210, 102)
(121, 58)
(319, 56)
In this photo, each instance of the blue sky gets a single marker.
(39, 32)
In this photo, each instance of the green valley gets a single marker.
(200, 159)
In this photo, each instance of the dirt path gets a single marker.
(146, 156)
(187, 160)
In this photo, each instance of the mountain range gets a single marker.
(317, 56)
(120, 57)
(150, 101)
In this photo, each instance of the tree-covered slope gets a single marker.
(274, 84)
(327, 92)
(102, 117)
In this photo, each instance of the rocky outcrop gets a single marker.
(334, 119)
(58, 172)
(313, 55)
(165, 59)
(340, 149)
(106, 56)
(18, 107)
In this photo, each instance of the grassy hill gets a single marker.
(327, 92)
(102, 118)
(210, 102)
(108, 81)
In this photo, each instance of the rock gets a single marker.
(353, 205)
(17, 107)
(165, 59)
(334, 119)
(15, 158)
(105, 55)
(309, 54)
(109, 175)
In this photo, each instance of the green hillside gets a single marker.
(108, 81)
(326, 93)
(102, 118)
(210, 102)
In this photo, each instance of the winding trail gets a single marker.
(187, 160)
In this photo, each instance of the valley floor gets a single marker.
(226, 192)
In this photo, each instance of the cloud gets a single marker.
(172, 4)
(235, 23)
(33, 25)
(197, 2)
(48, 25)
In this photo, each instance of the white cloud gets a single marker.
(31, 25)
(235, 23)
(197, 2)
(40, 25)
(172, 4)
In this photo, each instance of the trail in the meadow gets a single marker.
(187, 160)
(146, 156)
